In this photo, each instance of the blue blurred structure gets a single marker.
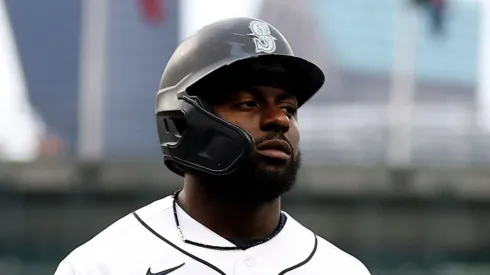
(48, 39)
(137, 52)
(353, 40)
(361, 38)
(48, 36)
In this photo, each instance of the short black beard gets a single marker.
(252, 185)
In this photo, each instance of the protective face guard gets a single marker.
(220, 149)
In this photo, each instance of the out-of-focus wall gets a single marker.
(431, 220)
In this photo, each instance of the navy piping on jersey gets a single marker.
(213, 266)
(303, 262)
(176, 247)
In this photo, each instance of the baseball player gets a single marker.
(227, 120)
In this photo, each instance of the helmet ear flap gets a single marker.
(201, 145)
(171, 127)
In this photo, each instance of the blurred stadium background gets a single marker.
(396, 145)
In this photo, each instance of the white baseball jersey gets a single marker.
(146, 243)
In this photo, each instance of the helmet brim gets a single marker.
(298, 76)
(305, 77)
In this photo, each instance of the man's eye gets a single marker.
(248, 104)
(289, 109)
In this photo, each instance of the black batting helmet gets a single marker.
(235, 51)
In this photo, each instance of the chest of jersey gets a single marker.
(156, 254)
(240, 263)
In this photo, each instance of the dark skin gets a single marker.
(261, 111)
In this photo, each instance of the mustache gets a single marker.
(272, 136)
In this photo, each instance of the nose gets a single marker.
(274, 119)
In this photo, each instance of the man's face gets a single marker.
(269, 115)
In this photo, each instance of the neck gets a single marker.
(231, 218)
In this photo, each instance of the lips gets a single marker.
(276, 148)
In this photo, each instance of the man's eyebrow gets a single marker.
(282, 96)
(286, 95)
